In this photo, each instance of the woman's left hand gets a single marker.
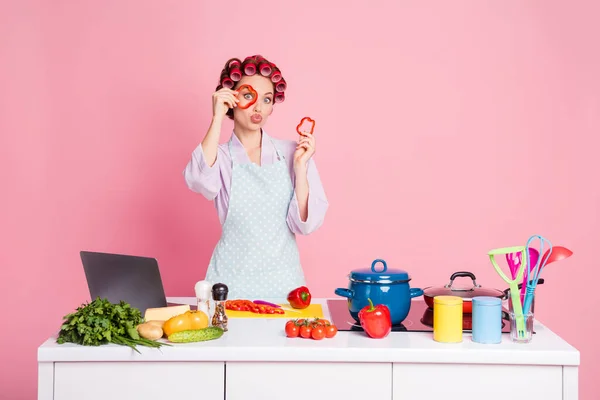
(304, 150)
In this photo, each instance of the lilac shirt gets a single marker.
(214, 182)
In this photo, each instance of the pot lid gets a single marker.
(448, 300)
(466, 293)
(379, 274)
(486, 301)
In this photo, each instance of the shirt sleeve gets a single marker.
(317, 204)
(201, 177)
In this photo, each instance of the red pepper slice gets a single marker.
(243, 91)
(310, 120)
(299, 297)
(375, 320)
(250, 306)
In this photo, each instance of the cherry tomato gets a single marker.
(292, 330)
(318, 333)
(330, 331)
(306, 331)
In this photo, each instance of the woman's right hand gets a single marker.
(223, 100)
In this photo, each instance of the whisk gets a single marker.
(536, 271)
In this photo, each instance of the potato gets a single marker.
(156, 323)
(150, 331)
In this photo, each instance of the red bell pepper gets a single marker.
(375, 320)
(299, 297)
(243, 104)
(310, 121)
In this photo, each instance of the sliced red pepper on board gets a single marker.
(243, 92)
(299, 297)
(309, 120)
(247, 305)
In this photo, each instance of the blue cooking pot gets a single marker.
(388, 287)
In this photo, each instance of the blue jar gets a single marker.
(487, 320)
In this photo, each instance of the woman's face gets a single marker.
(255, 116)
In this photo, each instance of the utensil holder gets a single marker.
(527, 334)
(510, 305)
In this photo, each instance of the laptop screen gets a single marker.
(133, 279)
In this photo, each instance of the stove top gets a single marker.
(419, 319)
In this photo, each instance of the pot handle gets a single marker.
(414, 292)
(375, 262)
(344, 292)
(462, 274)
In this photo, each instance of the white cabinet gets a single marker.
(476, 382)
(138, 380)
(300, 381)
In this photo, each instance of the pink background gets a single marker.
(443, 131)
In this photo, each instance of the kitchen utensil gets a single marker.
(514, 261)
(512, 283)
(507, 296)
(537, 270)
(389, 287)
(266, 303)
(466, 294)
(558, 253)
(534, 255)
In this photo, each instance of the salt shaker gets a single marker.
(203, 296)
(219, 295)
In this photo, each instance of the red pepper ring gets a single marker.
(253, 92)
(310, 120)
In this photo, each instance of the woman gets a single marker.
(265, 190)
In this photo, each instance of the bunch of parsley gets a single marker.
(102, 322)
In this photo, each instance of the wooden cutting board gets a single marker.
(312, 311)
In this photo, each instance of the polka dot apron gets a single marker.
(257, 255)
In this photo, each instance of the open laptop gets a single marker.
(135, 280)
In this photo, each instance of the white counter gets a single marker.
(403, 359)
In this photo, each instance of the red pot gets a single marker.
(467, 294)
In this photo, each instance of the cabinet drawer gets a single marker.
(476, 382)
(301, 381)
(138, 380)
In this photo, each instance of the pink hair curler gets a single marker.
(265, 69)
(235, 74)
(281, 85)
(250, 68)
(275, 76)
(227, 83)
(279, 97)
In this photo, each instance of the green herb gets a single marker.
(102, 322)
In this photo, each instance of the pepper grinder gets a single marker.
(203, 296)
(219, 295)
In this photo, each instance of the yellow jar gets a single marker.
(448, 319)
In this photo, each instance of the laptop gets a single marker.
(135, 280)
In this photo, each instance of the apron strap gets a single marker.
(233, 162)
(279, 155)
(230, 153)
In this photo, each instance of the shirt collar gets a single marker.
(238, 151)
